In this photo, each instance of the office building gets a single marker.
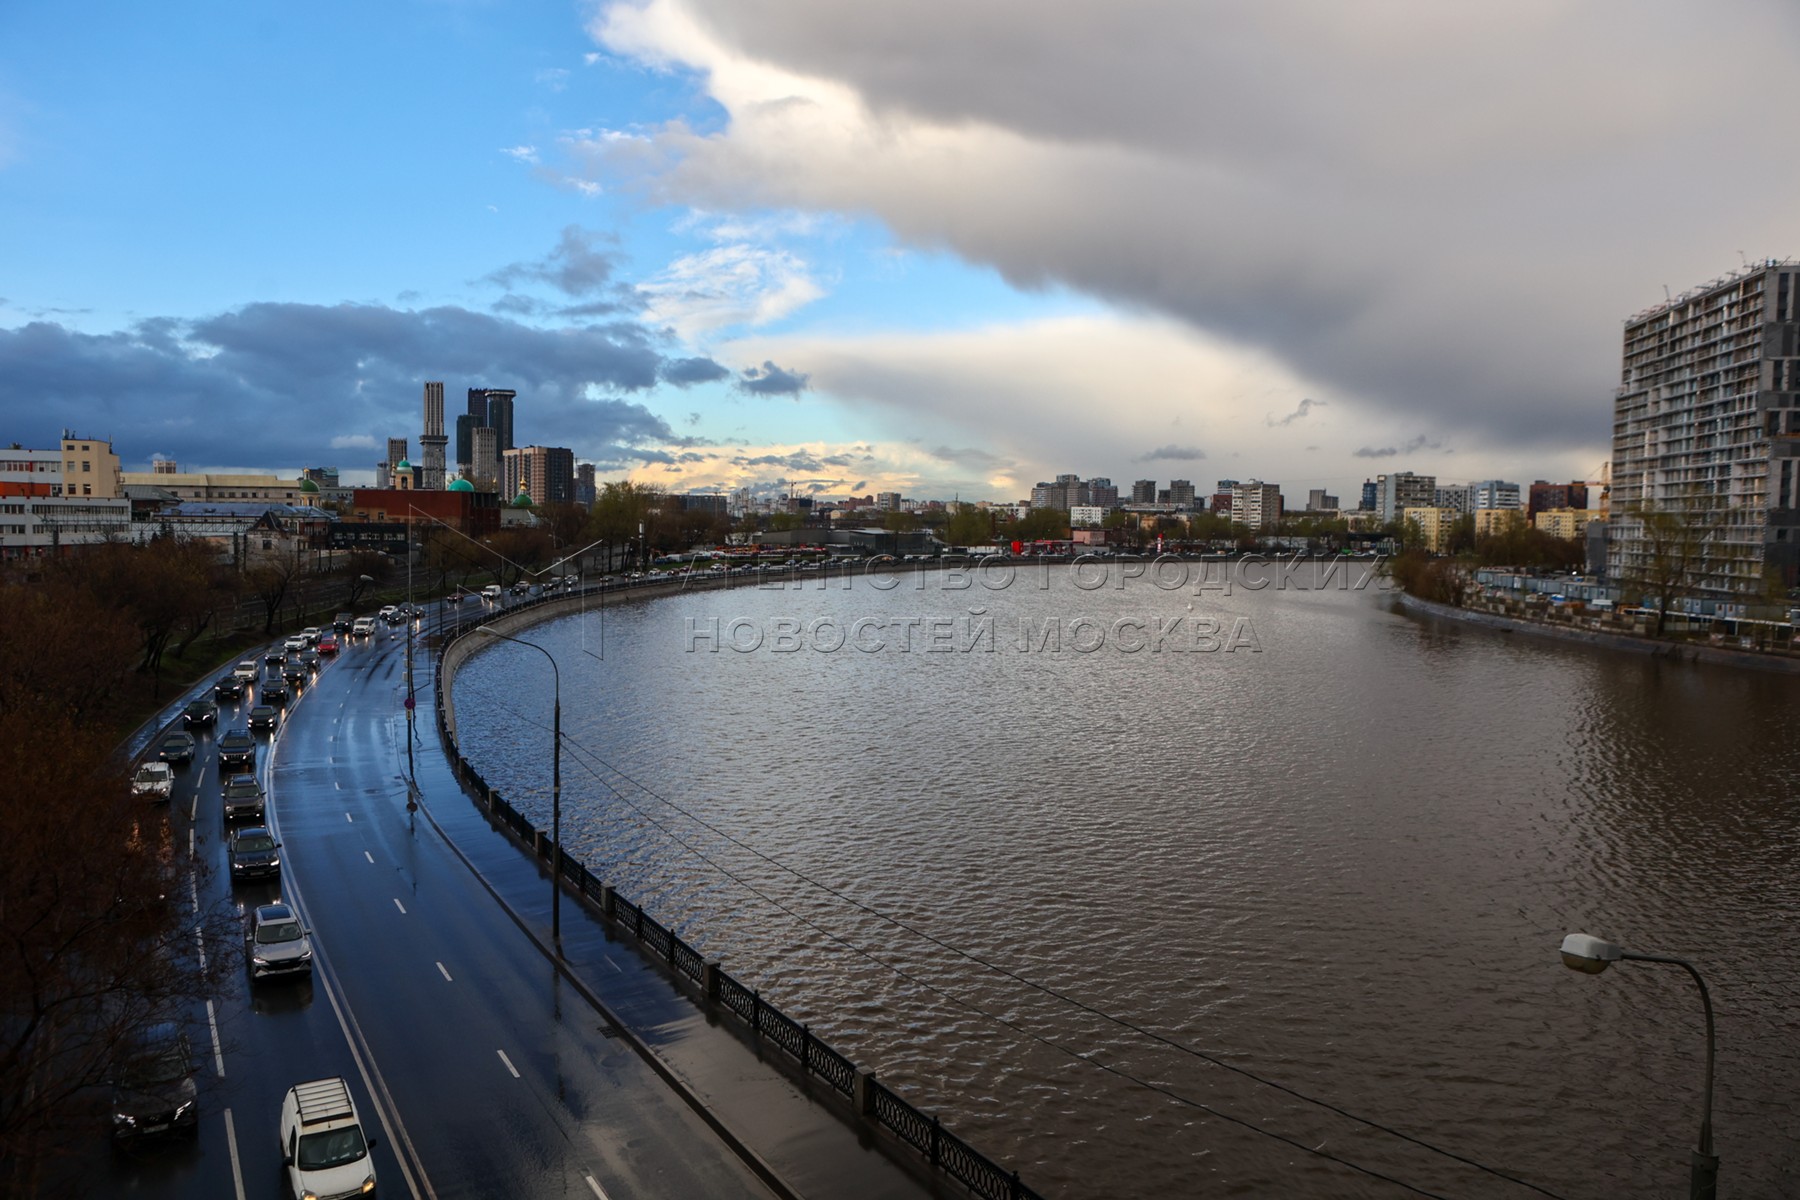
(465, 440)
(484, 459)
(1544, 497)
(586, 492)
(1495, 493)
(1319, 500)
(1143, 491)
(1457, 496)
(500, 417)
(52, 500)
(1371, 496)
(1181, 493)
(396, 454)
(1102, 493)
(432, 440)
(1706, 425)
(478, 405)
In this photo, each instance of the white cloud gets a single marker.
(738, 284)
(524, 154)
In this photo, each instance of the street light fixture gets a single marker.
(1591, 955)
(555, 783)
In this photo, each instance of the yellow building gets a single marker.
(1567, 523)
(1497, 520)
(1435, 525)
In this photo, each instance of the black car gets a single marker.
(154, 1091)
(310, 658)
(237, 751)
(274, 689)
(177, 749)
(200, 712)
(254, 854)
(275, 657)
(294, 673)
(242, 797)
(264, 717)
(229, 688)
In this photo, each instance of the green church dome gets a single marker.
(460, 485)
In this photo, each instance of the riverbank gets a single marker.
(1657, 648)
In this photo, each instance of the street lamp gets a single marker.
(1590, 955)
(555, 783)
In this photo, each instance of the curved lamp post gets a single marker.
(1590, 955)
(555, 783)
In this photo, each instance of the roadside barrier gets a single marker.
(869, 1099)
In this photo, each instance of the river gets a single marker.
(1082, 899)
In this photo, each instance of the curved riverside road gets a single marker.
(481, 1069)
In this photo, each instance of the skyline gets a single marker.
(842, 252)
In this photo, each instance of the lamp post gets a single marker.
(1590, 955)
(555, 783)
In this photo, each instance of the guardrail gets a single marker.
(869, 1099)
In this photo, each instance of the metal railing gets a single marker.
(870, 1099)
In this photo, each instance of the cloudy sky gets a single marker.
(938, 247)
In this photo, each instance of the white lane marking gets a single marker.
(442, 970)
(200, 941)
(598, 1191)
(615, 966)
(337, 785)
(237, 1172)
(190, 843)
(218, 1050)
(508, 1062)
(370, 857)
(349, 818)
(399, 906)
(194, 895)
(194, 808)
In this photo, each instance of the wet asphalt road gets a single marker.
(478, 1070)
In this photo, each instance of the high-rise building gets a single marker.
(478, 405)
(396, 454)
(1102, 493)
(1455, 495)
(484, 459)
(1143, 492)
(500, 416)
(1403, 490)
(432, 440)
(1371, 496)
(465, 445)
(1319, 500)
(1256, 505)
(1706, 426)
(586, 493)
(545, 473)
(1181, 493)
(1494, 493)
(1545, 497)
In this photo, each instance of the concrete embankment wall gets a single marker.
(1677, 651)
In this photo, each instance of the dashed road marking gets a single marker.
(399, 906)
(445, 972)
(508, 1062)
(237, 1172)
(598, 1191)
(369, 856)
(212, 1019)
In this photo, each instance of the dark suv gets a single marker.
(229, 688)
(154, 1090)
(254, 854)
(200, 712)
(237, 751)
(243, 797)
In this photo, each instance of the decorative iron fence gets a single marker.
(870, 1099)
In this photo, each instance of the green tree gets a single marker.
(969, 526)
(1041, 524)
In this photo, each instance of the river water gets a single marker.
(1081, 899)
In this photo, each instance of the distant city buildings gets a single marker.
(1495, 493)
(432, 440)
(1396, 493)
(1143, 491)
(1256, 505)
(544, 473)
(1319, 500)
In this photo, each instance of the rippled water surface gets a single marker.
(1064, 898)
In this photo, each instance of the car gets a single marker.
(388, 612)
(312, 634)
(296, 643)
(492, 591)
(237, 751)
(454, 598)
(155, 780)
(364, 627)
(274, 690)
(229, 688)
(265, 716)
(328, 645)
(343, 621)
(294, 673)
(323, 1149)
(246, 670)
(275, 943)
(243, 797)
(177, 748)
(253, 853)
(153, 1091)
(521, 588)
(200, 712)
(274, 658)
(310, 659)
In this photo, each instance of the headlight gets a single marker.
(368, 1185)
(184, 1110)
(125, 1120)
(309, 1194)
(259, 960)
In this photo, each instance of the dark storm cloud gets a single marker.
(686, 372)
(797, 461)
(1410, 446)
(1305, 407)
(968, 456)
(771, 380)
(272, 385)
(573, 268)
(1172, 454)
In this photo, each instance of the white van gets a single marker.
(363, 627)
(323, 1147)
(492, 591)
